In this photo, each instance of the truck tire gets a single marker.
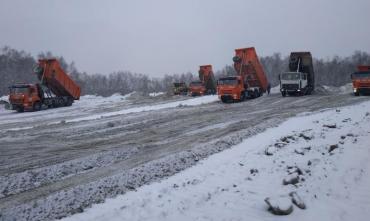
(69, 102)
(20, 109)
(36, 106)
(283, 93)
(224, 100)
(242, 96)
(357, 93)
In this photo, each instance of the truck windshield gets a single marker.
(228, 81)
(290, 76)
(196, 84)
(361, 75)
(19, 90)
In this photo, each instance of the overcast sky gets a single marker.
(158, 37)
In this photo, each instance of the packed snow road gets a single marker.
(57, 162)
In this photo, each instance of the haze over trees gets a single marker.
(16, 67)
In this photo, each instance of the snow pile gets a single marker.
(156, 94)
(344, 89)
(4, 98)
(324, 89)
(334, 184)
(95, 98)
(275, 90)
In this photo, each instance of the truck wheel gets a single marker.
(20, 109)
(283, 93)
(37, 106)
(242, 96)
(256, 94)
(69, 102)
(224, 100)
(357, 93)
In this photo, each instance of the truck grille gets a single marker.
(364, 85)
(290, 86)
(17, 101)
(227, 92)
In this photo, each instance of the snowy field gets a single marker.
(327, 152)
(58, 162)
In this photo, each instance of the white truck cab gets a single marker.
(293, 83)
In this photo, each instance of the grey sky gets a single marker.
(172, 36)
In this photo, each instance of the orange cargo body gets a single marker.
(363, 68)
(204, 72)
(250, 68)
(54, 77)
(361, 80)
(207, 78)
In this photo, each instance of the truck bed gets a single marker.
(54, 77)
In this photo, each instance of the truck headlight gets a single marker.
(355, 90)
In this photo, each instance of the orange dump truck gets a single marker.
(56, 89)
(361, 80)
(250, 81)
(206, 83)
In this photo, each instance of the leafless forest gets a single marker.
(16, 66)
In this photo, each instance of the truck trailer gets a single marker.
(55, 89)
(300, 79)
(250, 81)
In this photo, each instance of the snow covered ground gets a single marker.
(328, 152)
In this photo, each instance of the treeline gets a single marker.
(16, 66)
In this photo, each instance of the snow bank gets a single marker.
(95, 98)
(233, 184)
(344, 89)
(275, 90)
(4, 98)
(156, 94)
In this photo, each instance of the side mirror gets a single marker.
(279, 77)
(352, 76)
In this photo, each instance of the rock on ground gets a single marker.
(279, 206)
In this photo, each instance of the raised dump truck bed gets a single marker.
(207, 77)
(50, 73)
(247, 64)
(300, 78)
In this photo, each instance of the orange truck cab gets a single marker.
(197, 88)
(361, 80)
(250, 81)
(25, 96)
(56, 89)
